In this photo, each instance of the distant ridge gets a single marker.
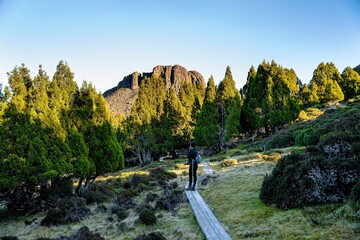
(123, 96)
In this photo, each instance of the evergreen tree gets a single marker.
(324, 84)
(207, 122)
(19, 82)
(187, 96)
(62, 92)
(172, 122)
(39, 100)
(144, 117)
(350, 83)
(271, 97)
(229, 104)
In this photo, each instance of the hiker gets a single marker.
(192, 153)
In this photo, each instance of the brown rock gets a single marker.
(122, 97)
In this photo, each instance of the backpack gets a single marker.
(198, 158)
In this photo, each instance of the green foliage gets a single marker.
(354, 198)
(350, 83)
(228, 101)
(270, 97)
(280, 139)
(207, 122)
(160, 173)
(50, 130)
(317, 176)
(122, 214)
(324, 84)
(147, 217)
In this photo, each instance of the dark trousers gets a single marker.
(192, 173)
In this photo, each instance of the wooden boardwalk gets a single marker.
(209, 225)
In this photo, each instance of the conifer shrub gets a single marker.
(148, 217)
(130, 193)
(151, 236)
(280, 140)
(99, 193)
(354, 198)
(9, 238)
(122, 214)
(310, 178)
(141, 179)
(228, 162)
(160, 173)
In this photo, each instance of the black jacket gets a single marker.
(192, 155)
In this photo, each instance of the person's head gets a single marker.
(192, 144)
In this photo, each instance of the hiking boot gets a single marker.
(188, 189)
(193, 189)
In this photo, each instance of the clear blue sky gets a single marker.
(102, 41)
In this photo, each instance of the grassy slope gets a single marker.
(179, 225)
(234, 199)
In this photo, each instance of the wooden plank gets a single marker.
(210, 226)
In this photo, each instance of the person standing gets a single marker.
(193, 165)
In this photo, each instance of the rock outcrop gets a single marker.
(123, 96)
(357, 68)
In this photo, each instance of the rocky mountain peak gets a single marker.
(123, 96)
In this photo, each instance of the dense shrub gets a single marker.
(298, 180)
(122, 214)
(308, 136)
(9, 238)
(161, 174)
(141, 179)
(147, 217)
(280, 140)
(354, 199)
(170, 199)
(69, 209)
(98, 193)
(151, 236)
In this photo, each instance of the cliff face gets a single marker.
(123, 96)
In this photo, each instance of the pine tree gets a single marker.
(207, 122)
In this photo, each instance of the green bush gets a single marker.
(160, 173)
(228, 162)
(310, 178)
(122, 214)
(354, 199)
(147, 217)
(280, 140)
